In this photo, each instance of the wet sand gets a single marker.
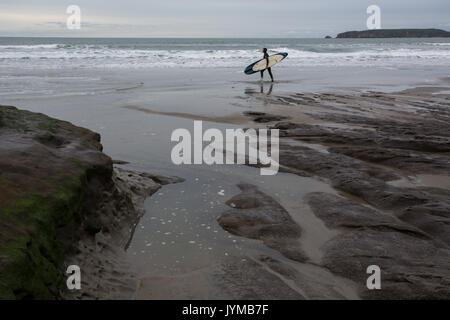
(329, 112)
(179, 248)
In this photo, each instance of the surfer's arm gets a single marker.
(266, 56)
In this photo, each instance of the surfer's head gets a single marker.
(264, 50)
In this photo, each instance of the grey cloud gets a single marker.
(239, 18)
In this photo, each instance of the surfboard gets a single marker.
(262, 64)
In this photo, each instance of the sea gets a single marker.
(57, 53)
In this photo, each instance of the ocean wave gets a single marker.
(438, 44)
(108, 56)
(29, 47)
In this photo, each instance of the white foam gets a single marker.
(29, 47)
(102, 56)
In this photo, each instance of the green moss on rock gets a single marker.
(31, 260)
(45, 171)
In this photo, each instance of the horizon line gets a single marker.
(210, 37)
(164, 37)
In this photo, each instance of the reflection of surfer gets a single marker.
(269, 92)
(266, 56)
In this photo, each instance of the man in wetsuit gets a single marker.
(266, 56)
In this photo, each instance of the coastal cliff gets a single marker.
(62, 202)
(396, 33)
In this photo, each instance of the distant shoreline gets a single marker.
(395, 33)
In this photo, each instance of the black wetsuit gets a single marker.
(266, 56)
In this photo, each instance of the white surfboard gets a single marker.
(262, 64)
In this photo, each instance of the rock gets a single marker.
(369, 151)
(255, 215)
(341, 213)
(408, 160)
(422, 207)
(432, 217)
(362, 144)
(106, 273)
(93, 226)
(253, 113)
(396, 33)
(45, 165)
(286, 125)
(163, 180)
(120, 162)
(413, 264)
(263, 117)
(61, 202)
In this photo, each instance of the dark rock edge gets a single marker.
(53, 175)
(396, 33)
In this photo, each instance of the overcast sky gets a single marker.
(215, 18)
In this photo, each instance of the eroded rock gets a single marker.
(255, 215)
(413, 264)
(61, 203)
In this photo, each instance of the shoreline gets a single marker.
(347, 147)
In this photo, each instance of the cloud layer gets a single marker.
(215, 18)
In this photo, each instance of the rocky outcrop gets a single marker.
(413, 264)
(396, 33)
(263, 117)
(100, 254)
(255, 215)
(61, 202)
(365, 145)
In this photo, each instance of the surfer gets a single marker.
(266, 56)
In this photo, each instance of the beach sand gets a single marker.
(365, 180)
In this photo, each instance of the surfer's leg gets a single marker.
(262, 74)
(270, 73)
